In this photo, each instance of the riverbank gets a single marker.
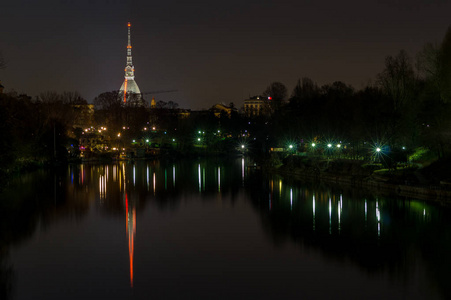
(409, 181)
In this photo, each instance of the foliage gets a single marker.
(278, 93)
(418, 154)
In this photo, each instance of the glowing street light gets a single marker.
(313, 145)
(329, 145)
(378, 149)
(339, 145)
(242, 146)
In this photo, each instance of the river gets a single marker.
(214, 229)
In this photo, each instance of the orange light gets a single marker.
(128, 24)
(125, 91)
(129, 47)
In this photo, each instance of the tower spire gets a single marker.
(129, 47)
(129, 86)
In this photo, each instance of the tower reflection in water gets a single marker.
(131, 232)
(130, 215)
(309, 211)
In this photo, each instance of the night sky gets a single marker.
(210, 51)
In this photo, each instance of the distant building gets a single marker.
(256, 106)
(183, 113)
(217, 109)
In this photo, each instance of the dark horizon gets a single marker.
(209, 52)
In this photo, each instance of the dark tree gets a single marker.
(444, 71)
(397, 80)
(172, 105)
(278, 93)
(73, 98)
(108, 100)
(398, 83)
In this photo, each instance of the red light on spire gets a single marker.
(269, 98)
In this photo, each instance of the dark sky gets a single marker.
(210, 51)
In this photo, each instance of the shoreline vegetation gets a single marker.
(409, 180)
(419, 181)
(393, 135)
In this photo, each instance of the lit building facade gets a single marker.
(256, 106)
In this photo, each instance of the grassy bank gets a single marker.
(410, 180)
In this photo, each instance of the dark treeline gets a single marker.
(406, 108)
(35, 131)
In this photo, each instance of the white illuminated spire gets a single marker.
(129, 86)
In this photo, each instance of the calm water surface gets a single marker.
(214, 229)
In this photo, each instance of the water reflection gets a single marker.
(131, 232)
(322, 219)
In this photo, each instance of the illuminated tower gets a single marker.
(129, 90)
